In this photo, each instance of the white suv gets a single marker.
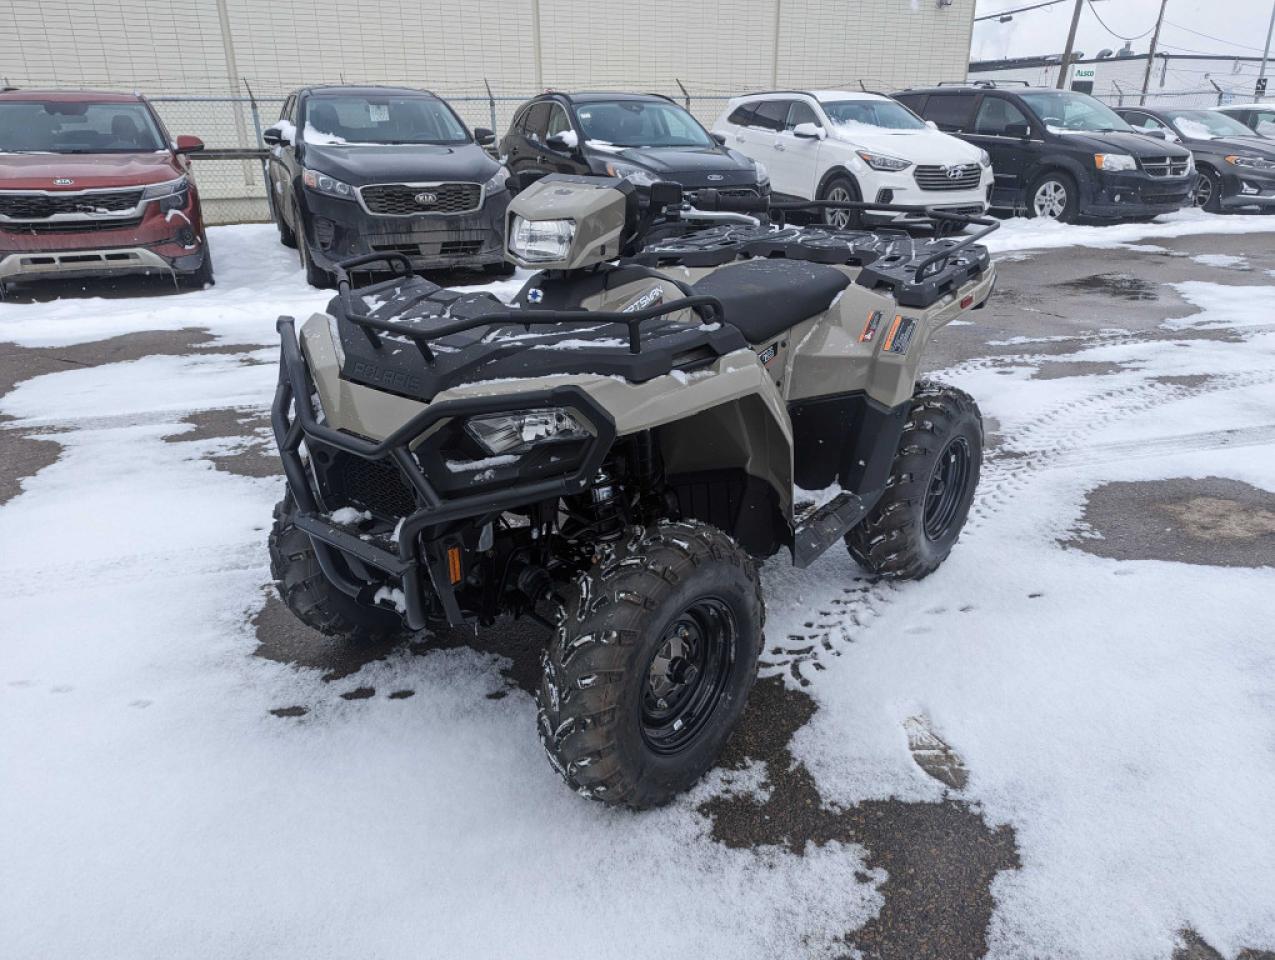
(836, 145)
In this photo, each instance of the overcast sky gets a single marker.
(1234, 26)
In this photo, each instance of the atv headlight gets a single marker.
(519, 432)
(1112, 162)
(171, 194)
(541, 240)
(879, 161)
(628, 171)
(325, 184)
(497, 181)
(1253, 163)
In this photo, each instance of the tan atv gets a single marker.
(616, 452)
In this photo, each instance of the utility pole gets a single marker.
(1064, 71)
(1266, 53)
(1155, 39)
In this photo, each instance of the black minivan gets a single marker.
(642, 137)
(363, 169)
(1060, 154)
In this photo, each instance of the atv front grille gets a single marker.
(408, 200)
(956, 176)
(1165, 166)
(18, 205)
(374, 485)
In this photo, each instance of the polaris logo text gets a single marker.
(385, 378)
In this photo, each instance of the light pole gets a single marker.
(1261, 74)
(1155, 39)
(1071, 43)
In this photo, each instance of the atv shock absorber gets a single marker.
(604, 504)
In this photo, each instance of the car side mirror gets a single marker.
(274, 137)
(1019, 130)
(188, 144)
(564, 141)
(931, 124)
(808, 131)
(720, 138)
(1158, 134)
(484, 137)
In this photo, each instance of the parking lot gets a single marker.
(1058, 745)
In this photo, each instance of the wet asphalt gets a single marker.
(939, 859)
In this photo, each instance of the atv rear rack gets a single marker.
(293, 421)
(709, 309)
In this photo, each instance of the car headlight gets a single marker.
(171, 194)
(512, 433)
(763, 175)
(1253, 163)
(1114, 161)
(628, 171)
(879, 161)
(325, 184)
(984, 158)
(541, 240)
(497, 182)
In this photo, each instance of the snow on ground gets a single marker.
(1021, 233)
(1119, 715)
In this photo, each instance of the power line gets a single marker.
(1010, 13)
(1118, 36)
(1209, 36)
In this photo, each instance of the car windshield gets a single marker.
(1206, 124)
(51, 126)
(873, 113)
(379, 120)
(641, 123)
(1064, 112)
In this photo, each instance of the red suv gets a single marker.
(91, 185)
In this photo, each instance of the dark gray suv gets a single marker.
(1060, 154)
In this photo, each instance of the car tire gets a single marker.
(1054, 196)
(841, 189)
(1208, 190)
(315, 276)
(311, 597)
(287, 236)
(910, 531)
(201, 278)
(651, 664)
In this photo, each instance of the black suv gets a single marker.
(360, 170)
(1236, 165)
(1060, 154)
(642, 137)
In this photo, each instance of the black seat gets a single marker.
(763, 298)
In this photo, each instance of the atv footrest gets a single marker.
(825, 527)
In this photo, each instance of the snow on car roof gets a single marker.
(828, 96)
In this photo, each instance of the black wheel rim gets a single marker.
(1203, 190)
(946, 490)
(687, 675)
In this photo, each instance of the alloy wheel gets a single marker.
(840, 219)
(1050, 200)
(1203, 190)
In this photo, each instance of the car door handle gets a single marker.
(780, 147)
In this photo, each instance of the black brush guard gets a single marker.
(414, 559)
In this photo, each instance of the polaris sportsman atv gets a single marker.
(615, 452)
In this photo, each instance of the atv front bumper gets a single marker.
(417, 550)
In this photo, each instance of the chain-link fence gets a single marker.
(1187, 99)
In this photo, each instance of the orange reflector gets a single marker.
(453, 564)
(966, 301)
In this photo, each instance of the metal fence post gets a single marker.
(256, 126)
(684, 93)
(491, 106)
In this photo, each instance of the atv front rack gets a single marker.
(339, 551)
(709, 309)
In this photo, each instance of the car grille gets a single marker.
(374, 485)
(958, 176)
(429, 244)
(39, 206)
(401, 199)
(1165, 166)
(69, 226)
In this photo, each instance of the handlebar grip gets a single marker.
(710, 199)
